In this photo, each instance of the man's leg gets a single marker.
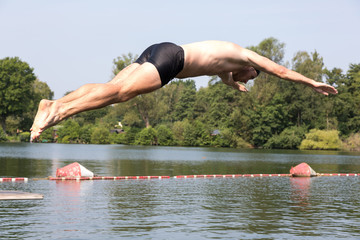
(144, 79)
(85, 89)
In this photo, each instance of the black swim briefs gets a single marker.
(168, 58)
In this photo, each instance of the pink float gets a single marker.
(302, 170)
(74, 170)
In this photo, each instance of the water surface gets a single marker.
(241, 208)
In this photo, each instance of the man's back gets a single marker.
(211, 58)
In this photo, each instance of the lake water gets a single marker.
(220, 208)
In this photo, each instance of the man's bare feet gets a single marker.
(46, 116)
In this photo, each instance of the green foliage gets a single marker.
(273, 114)
(117, 138)
(321, 140)
(89, 117)
(122, 62)
(185, 106)
(352, 143)
(24, 137)
(270, 48)
(165, 137)
(16, 79)
(85, 133)
(47, 135)
(100, 135)
(178, 131)
(69, 132)
(2, 136)
(147, 136)
(290, 138)
(227, 138)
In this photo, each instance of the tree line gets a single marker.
(273, 114)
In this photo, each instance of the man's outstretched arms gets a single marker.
(266, 65)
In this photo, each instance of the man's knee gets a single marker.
(123, 93)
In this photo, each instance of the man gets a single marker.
(160, 63)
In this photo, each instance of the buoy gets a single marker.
(302, 170)
(14, 179)
(74, 170)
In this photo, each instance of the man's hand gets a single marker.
(228, 80)
(324, 88)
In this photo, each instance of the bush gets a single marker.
(290, 138)
(352, 143)
(147, 136)
(129, 135)
(25, 137)
(164, 135)
(321, 140)
(2, 136)
(71, 130)
(85, 133)
(178, 131)
(117, 138)
(100, 136)
(65, 139)
(47, 135)
(189, 134)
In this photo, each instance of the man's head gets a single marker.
(245, 74)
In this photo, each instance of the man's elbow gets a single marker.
(282, 72)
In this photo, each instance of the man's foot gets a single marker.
(46, 116)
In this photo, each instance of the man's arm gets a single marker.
(266, 65)
(228, 80)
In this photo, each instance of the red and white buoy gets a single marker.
(74, 170)
(302, 170)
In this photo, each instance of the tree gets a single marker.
(16, 81)
(100, 136)
(164, 135)
(184, 108)
(122, 62)
(69, 132)
(147, 136)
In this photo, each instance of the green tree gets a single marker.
(305, 106)
(16, 81)
(184, 107)
(100, 135)
(69, 132)
(290, 138)
(321, 140)
(122, 62)
(164, 135)
(178, 131)
(147, 136)
(40, 90)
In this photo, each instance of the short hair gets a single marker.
(257, 71)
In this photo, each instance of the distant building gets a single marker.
(117, 131)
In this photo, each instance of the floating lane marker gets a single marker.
(108, 178)
(203, 176)
(231, 176)
(339, 174)
(19, 179)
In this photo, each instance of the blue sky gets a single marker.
(70, 43)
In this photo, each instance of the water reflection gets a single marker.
(300, 190)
